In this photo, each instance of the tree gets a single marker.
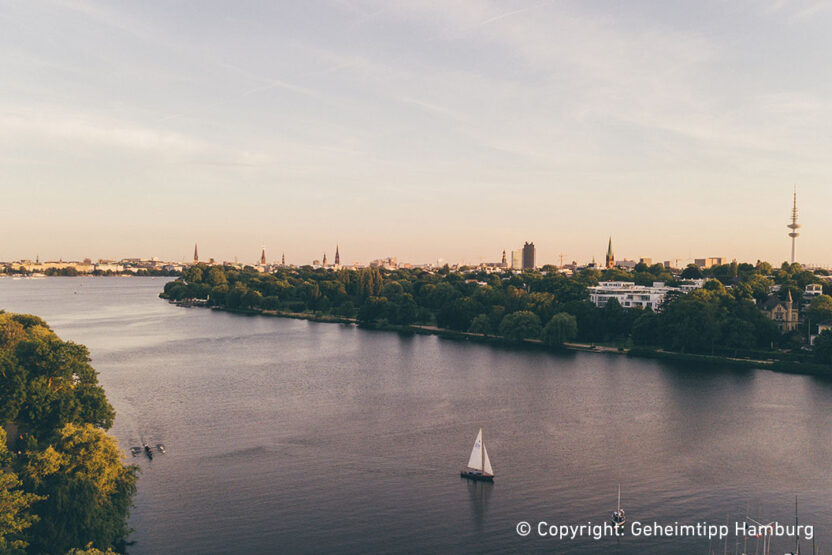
(692, 271)
(480, 324)
(646, 329)
(88, 491)
(823, 347)
(520, 325)
(47, 382)
(820, 309)
(374, 308)
(561, 327)
(15, 516)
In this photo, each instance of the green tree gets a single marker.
(562, 327)
(480, 324)
(823, 347)
(88, 491)
(820, 309)
(15, 503)
(646, 329)
(520, 325)
(692, 271)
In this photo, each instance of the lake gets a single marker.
(299, 437)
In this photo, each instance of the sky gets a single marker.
(430, 131)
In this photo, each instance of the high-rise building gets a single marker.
(337, 256)
(794, 225)
(196, 254)
(503, 263)
(528, 256)
(517, 259)
(610, 263)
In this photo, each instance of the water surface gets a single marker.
(293, 436)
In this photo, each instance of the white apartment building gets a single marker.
(630, 295)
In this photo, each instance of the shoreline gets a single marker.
(783, 366)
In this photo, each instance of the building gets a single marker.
(646, 260)
(337, 256)
(610, 260)
(517, 259)
(529, 253)
(782, 312)
(196, 254)
(263, 257)
(630, 295)
(813, 290)
(504, 264)
(709, 262)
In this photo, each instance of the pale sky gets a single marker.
(425, 130)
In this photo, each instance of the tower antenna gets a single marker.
(794, 225)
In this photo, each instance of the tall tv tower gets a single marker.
(794, 225)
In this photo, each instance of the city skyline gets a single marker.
(422, 130)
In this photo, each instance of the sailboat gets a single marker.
(618, 518)
(479, 465)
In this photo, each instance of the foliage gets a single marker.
(722, 317)
(820, 309)
(823, 347)
(560, 329)
(88, 488)
(15, 514)
(520, 325)
(75, 487)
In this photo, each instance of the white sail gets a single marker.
(486, 462)
(475, 460)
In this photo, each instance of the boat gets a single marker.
(479, 465)
(148, 450)
(618, 516)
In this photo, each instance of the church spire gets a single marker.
(337, 256)
(196, 254)
(263, 256)
(610, 256)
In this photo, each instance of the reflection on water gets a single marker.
(292, 436)
(479, 493)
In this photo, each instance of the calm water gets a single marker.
(291, 436)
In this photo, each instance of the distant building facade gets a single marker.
(630, 295)
(783, 312)
(517, 259)
(709, 262)
(529, 253)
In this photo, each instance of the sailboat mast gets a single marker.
(796, 535)
(619, 497)
(482, 453)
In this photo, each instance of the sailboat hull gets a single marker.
(476, 476)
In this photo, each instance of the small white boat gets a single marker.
(618, 517)
(479, 465)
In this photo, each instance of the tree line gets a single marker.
(63, 484)
(721, 318)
